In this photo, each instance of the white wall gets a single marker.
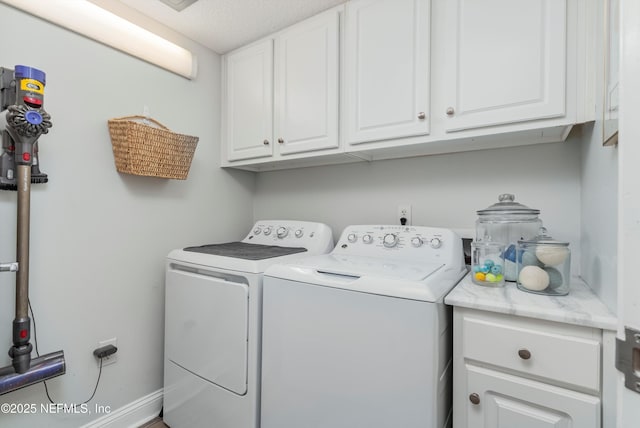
(443, 190)
(99, 238)
(599, 198)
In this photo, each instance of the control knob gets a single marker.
(390, 240)
(435, 243)
(367, 239)
(299, 233)
(257, 231)
(282, 232)
(267, 231)
(416, 241)
(352, 237)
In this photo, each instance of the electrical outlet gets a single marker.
(404, 211)
(111, 358)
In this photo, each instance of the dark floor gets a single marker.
(156, 423)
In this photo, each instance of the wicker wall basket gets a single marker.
(150, 149)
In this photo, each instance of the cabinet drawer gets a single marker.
(549, 351)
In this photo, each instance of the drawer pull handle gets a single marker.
(525, 354)
(474, 398)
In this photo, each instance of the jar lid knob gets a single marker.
(508, 207)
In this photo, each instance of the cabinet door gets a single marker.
(249, 102)
(506, 62)
(387, 69)
(507, 401)
(306, 87)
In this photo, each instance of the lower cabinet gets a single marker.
(517, 372)
(499, 400)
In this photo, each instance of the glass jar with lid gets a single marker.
(487, 263)
(544, 265)
(508, 222)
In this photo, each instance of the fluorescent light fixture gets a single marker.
(178, 5)
(92, 21)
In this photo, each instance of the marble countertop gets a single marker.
(581, 306)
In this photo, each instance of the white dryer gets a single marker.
(361, 338)
(213, 322)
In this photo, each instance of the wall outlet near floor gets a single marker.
(111, 358)
(404, 211)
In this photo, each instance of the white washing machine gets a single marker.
(360, 337)
(213, 322)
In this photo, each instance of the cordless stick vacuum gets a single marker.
(22, 96)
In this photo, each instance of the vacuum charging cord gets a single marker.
(46, 389)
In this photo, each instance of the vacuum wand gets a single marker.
(21, 351)
(22, 247)
(26, 122)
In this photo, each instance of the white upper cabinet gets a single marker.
(248, 106)
(506, 62)
(381, 79)
(306, 101)
(282, 94)
(386, 69)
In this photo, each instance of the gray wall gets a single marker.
(99, 238)
(574, 184)
(443, 190)
(599, 208)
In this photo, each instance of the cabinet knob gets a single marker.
(450, 111)
(474, 398)
(265, 142)
(422, 115)
(525, 354)
(281, 140)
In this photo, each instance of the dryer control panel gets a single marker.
(315, 237)
(419, 243)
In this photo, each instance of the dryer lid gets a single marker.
(246, 251)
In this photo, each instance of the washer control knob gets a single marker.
(267, 231)
(257, 231)
(435, 243)
(299, 233)
(390, 240)
(367, 239)
(416, 241)
(352, 237)
(282, 232)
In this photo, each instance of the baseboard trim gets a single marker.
(131, 415)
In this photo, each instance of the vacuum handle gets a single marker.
(9, 267)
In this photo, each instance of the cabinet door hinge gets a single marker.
(628, 358)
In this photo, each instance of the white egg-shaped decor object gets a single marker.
(533, 278)
(552, 255)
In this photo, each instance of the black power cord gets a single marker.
(35, 341)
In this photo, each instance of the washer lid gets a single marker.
(362, 266)
(424, 282)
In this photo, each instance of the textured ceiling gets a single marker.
(223, 25)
